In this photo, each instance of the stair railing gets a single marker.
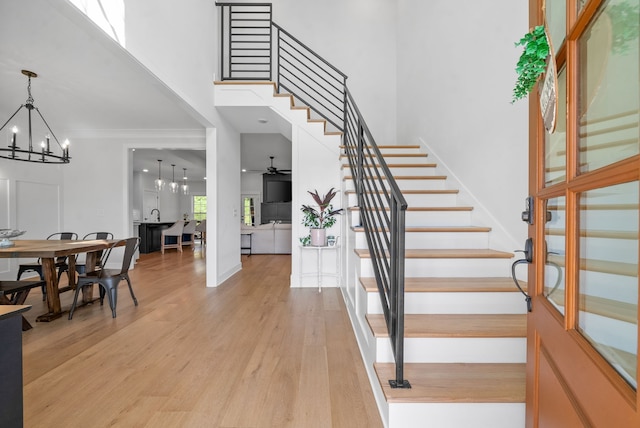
(253, 47)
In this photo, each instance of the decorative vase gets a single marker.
(318, 237)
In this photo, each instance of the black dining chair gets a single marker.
(82, 267)
(61, 262)
(15, 293)
(109, 279)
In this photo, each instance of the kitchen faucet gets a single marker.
(155, 209)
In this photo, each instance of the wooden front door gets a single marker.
(582, 356)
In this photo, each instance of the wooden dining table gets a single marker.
(48, 251)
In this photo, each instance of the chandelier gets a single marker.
(42, 154)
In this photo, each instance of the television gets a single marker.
(278, 191)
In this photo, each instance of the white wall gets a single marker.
(30, 200)
(224, 153)
(99, 182)
(359, 38)
(456, 62)
(177, 42)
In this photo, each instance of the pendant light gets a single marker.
(159, 182)
(173, 185)
(185, 186)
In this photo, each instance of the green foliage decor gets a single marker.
(625, 23)
(532, 62)
(325, 216)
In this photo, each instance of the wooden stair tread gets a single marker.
(400, 165)
(394, 155)
(415, 192)
(424, 209)
(449, 285)
(456, 382)
(406, 177)
(427, 229)
(391, 146)
(454, 325)
(446, 254)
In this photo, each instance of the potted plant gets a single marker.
(319, 220)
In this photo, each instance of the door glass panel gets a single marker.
(555, 240)
(556, 22)
(608, 276)
(608, 86)
(555, 145)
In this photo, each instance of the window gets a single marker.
(199, 208)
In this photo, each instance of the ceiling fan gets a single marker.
(272, 170)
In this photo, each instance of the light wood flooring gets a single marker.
(250, 353)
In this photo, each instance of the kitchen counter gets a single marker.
(151, 234)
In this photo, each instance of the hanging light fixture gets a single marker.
(185, 186)
(173, 185)
(159, 182)
(43, 154)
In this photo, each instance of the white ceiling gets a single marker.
(86, 81)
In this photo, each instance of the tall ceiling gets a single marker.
(88, 82)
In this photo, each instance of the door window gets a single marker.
(555, 265)
(608, 87)
(608, 278)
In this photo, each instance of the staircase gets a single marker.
(465, 323)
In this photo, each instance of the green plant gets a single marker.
(305, 240)
(325, 216)
(532, 62)
(624, 24)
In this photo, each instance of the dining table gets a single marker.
(47, 251)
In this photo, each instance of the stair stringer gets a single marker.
(500, 237)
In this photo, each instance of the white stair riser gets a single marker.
(456, 415)
(428, 218)
(456, 303)
(417, 199)
(398, 159)
(400, 171)
(437, 240)
(400, 150)
(440, 268)
(456, 350)
(427, 184)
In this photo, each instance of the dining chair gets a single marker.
(189, 232)
(109, 279)
(202, 229)
(172, 233)
(82, 267)
(61, 262)
(15, 293)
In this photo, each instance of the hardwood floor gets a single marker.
(250, 353)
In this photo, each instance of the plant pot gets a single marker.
(318, 237)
